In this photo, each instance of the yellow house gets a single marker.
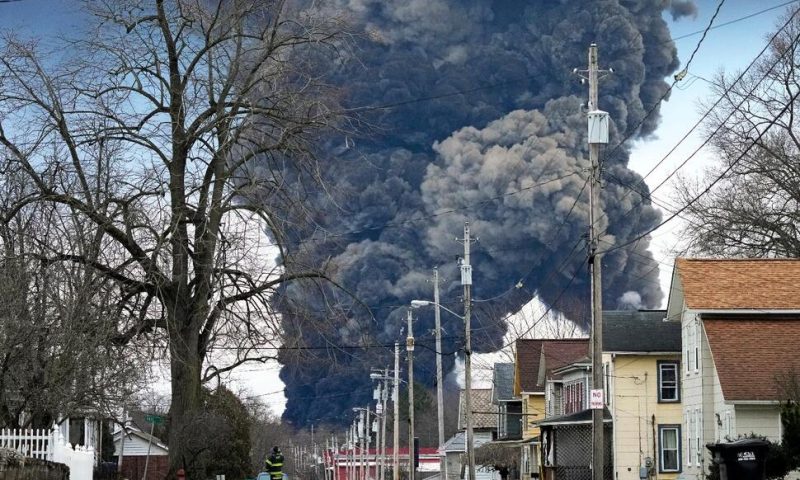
(535, 360)
(641, 359)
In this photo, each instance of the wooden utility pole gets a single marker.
(412, 469)
(396, 419)
(439, 387)
(598, 134)
(466, 281)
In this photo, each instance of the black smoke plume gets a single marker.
(475, 115)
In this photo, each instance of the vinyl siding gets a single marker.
(637, 413)
(533, 410)
(759, 419)
(136, 446)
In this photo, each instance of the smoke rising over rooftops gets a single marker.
(508, 155)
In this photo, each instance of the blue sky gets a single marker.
(730, 48)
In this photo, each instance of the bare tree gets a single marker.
(152, 142)
(56, 359)
(754, 209)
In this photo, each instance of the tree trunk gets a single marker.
(185, 367)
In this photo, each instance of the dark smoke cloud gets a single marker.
(476, 156)
(682, 8)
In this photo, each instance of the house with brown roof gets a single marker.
(641, 365)
(740, 331)
(535, 362)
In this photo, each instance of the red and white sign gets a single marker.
(596, 399)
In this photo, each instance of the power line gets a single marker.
(736, 20)
(711, 136)
(716, 180)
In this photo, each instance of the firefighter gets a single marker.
(274, 464)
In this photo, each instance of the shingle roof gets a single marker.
(640, 331)
(752, 355)
(537, 358)
(502, 382)
(730, 284)
(481, 403)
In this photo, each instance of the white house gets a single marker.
(740, 331)
(140, 451)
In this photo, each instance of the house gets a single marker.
(508, 406)
(535, 359)
(484, 429)
(740, 330)
(345, 462)
(566, 430)
(641, 364)
(641, 360)
(140, 449)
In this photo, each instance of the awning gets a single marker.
(579, 418)
(513, 443)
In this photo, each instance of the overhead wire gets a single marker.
(648, 196)
(716, 180)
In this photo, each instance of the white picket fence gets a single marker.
(33, 443)
(50, 445)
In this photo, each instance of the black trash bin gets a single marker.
(741, 460)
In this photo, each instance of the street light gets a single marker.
(428, 303)
(467, 377)
(439, 375)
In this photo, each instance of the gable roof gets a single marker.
(733, 344)
(640, 331)
(502, 382)
(156, 446)
(536, 358)
(456, 443)
(481, 406)
(734, 284)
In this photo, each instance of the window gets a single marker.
(689, 437)
(668, 384)
(669, 448)
(689, 349)
(574, 395)
(698, 424)
(698, 335)
(728, 424)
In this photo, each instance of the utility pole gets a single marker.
(597, 134)
(412, 470)
(368, 435)
(384, 398)
(396, 419)
(466, 281)
(439, 388)
(379, 414)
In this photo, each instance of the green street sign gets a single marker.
(154, 419)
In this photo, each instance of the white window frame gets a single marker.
(677, 368)
(661, 430)
(698, 335)
(690, 421)
(728, 423)
(689, 347)
(698, 436)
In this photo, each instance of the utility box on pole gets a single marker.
(598, 126)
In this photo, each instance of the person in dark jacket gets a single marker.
(274, 464)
